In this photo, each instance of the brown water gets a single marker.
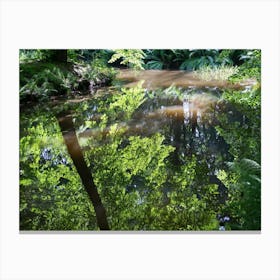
(109, 146)
(154, 79)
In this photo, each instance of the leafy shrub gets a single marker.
(186, 59)
(31, 55)
(46, 82)
(225, 58)
(200, 58)
(159, 59)
(33, 91)
(244, 183)
(131, 58)
(96, 72)
(40, 80)
(250, 68)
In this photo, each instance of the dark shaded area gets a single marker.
(59, 56)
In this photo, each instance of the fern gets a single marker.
(245, 193)
(131, 58)
(250, 165)
(154, 64)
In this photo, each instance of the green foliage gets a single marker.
(158, 59)
(36, 55)
(243, 177)
(61, 79)
(132, 182)
(251, 66)
(128, 101)
(172, 93)
(115, 169)
(244, 203)
(141, 185)
(39, 80)
(88, 55)
(191, 59)
(31, 55)
(96, 72)
(194, 59)
(224, 58)
(184, 208)
(52, 80)
(51, 194)
(131, 57)
(33, 91)
(244, 134)
(200, 58)
(245, 100)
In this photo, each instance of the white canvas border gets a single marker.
(146, 24)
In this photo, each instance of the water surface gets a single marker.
(151, 156)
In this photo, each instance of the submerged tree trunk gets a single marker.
(68, 131)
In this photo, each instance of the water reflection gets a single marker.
(187, 125)
(155, 165)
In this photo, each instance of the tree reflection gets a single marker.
(160, 164)
(65, 121)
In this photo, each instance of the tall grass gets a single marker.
(220, 73)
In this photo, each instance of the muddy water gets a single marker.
(164, 78)
(186, 122)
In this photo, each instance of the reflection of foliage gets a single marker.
(186, 209)
(243, 134)
(141, 184)
(115, 168)
(51, 194)
(134, 182)
(243, 177)
(245, 101)
(128, 101)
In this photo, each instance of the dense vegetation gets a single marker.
(43, 75)
(174, 175)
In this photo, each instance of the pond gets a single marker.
(150, 154)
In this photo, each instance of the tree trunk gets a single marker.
(68, 131)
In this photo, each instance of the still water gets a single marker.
(148, 155)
